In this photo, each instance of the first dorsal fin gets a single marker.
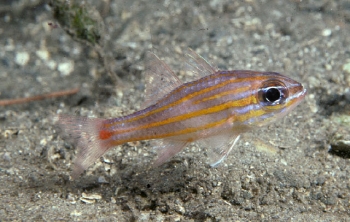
(159, 79)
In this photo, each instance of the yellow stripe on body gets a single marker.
(187, 97)
(237, 103)
(197, 113)
(244, 117)
(225, 93)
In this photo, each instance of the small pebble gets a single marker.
(102, 179)
(7, 157)
(328, 67)
(43, 142)
(51, 64)
(346, 67)
(71, 198)
(11, 171)
(22, 58)
(327, 32)
(66, 68)
(43, 54)
(284, 162)
(75, 213)
(92, 196)
(340, 144)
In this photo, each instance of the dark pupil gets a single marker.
(272, 94)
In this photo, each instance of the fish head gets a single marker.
(276, 95)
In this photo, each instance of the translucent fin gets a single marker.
(167, 149)
(219, 147)
(160, 79)
(86, 134)
(198, 65)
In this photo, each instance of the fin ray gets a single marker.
(198, 65)
(159, 79)
(219, 147)
(86, 133)
(167, 149)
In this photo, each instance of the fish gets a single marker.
(214, 110)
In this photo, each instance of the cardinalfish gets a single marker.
(215, 109)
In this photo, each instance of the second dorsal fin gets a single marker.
(159, 79)
(198, 65)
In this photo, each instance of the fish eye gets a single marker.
(271, 95)
(273, 92)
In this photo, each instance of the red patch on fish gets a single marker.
(104, 134)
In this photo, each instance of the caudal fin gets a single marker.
(92, 141)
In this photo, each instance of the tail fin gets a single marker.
(92, 141)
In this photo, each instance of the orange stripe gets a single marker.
(185, 98)
(219, 95)
(252, 114)
(241, 118)
(197, 113)
(176, 133)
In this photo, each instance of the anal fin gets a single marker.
(167, 149)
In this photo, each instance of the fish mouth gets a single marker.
(297, 94)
